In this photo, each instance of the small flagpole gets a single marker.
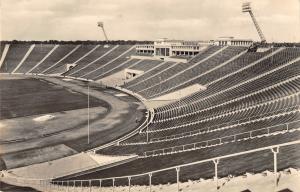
(88, 113)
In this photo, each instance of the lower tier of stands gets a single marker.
(254, 162)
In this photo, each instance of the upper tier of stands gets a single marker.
(93, 63)
(96, 53)
(37, 54)
(74, 57)
(54, 57)
(13, 57)
(119, 56)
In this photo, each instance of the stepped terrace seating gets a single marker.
(2, 45)
(234, 166)
(72, 58)
(272, 122)
(146, 65)
(160, 76)
(248, 106)
(266, 94)
(181, 66)
(186, 75)
(115, 62)
(210, 50)
(92, 56)
(54, 57)
(141, 81)
(146, 76)
(96, 64)
(89, 56)
(251, 101)
(193, 128)
(125, 65)
(242, 77)
(212, 75)
(188, 124)
(219, 127)
(37, 54)
(270, 103)
(15, 54)
(259, 84)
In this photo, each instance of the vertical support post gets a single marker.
(88, 113)
(74, 185)
(43, 184)
(275, 151)
(129, 183)
(216, 162)
(150, 181)
(147, 131)
(113, 180)
(67, 186)
(49, 185)
(90, 186)
(81, 185)
(147, 124)
(100, 184)
(177, 174)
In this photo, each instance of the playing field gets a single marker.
(25, 97)
(43, 119)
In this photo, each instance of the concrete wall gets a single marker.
(181, 93)
(174, 96)
(114, 79)
(182, 60)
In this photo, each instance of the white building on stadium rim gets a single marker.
(178, 50)
(164, 47)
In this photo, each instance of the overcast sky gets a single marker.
(147, 19)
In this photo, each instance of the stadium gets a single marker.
(163, 115)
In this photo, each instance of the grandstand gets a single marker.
(172, 116)
(251, 102)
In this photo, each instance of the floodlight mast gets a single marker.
(101, 25)
(246, 8)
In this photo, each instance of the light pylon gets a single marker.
(246, 8)
(101, 25)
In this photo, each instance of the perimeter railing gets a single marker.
(266, 131)
(87, 184)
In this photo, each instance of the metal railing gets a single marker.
(269, 100)
(266, 131)
(208, 129)
(216, 161)
(230, 122)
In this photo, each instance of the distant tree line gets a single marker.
(256, 45)
(277, 44)
(87, 42)
(134, 42)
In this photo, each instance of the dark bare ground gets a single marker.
(11, 188)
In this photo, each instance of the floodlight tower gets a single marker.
(246, 8)
(101, 25)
